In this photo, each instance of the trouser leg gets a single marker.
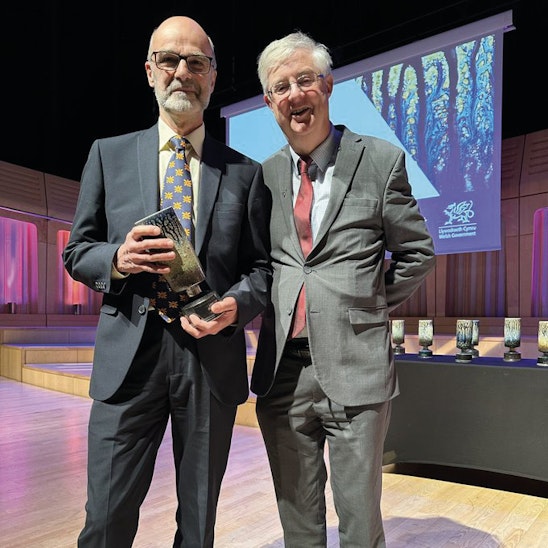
(294, 440)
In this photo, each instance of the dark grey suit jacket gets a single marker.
(349, 291)
(119, 186)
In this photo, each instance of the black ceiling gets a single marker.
(74, 72)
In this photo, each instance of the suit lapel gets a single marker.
(210, 179)
(147, 170)
(350, 153)
(282, 177)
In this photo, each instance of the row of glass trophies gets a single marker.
(467, 338)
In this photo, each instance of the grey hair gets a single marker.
(279, 50)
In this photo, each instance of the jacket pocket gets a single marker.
(362, 316)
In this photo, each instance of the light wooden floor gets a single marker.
(42, 491)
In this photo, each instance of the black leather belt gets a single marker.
(297, 349)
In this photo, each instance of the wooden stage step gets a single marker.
(69, 378)
(67, 368)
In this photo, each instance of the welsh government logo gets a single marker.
(460, 212)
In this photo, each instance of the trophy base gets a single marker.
(425, 353)
(201, 306)
(463, 357)
(512, 356)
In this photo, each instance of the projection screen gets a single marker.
(440, 100)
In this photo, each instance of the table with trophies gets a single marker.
(462, 410)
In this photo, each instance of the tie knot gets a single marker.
(179, 143)
(304, 164)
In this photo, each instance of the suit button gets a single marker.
(142, 309)
(307, 269)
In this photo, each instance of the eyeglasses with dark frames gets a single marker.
(169, 61)
(303, 82)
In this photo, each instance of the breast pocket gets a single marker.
(227, 212)
(359, 221)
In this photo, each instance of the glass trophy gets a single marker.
(398, 336)
(426, 338)
(475, 338)
(186, 273)
(512, 339)
(464, 341)
(543, 343)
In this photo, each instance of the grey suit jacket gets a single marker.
(349, 291)
(119, 186)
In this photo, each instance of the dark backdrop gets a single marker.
(73, 71)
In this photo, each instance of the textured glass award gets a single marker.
(186, 273)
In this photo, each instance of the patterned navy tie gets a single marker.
(176, 192)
